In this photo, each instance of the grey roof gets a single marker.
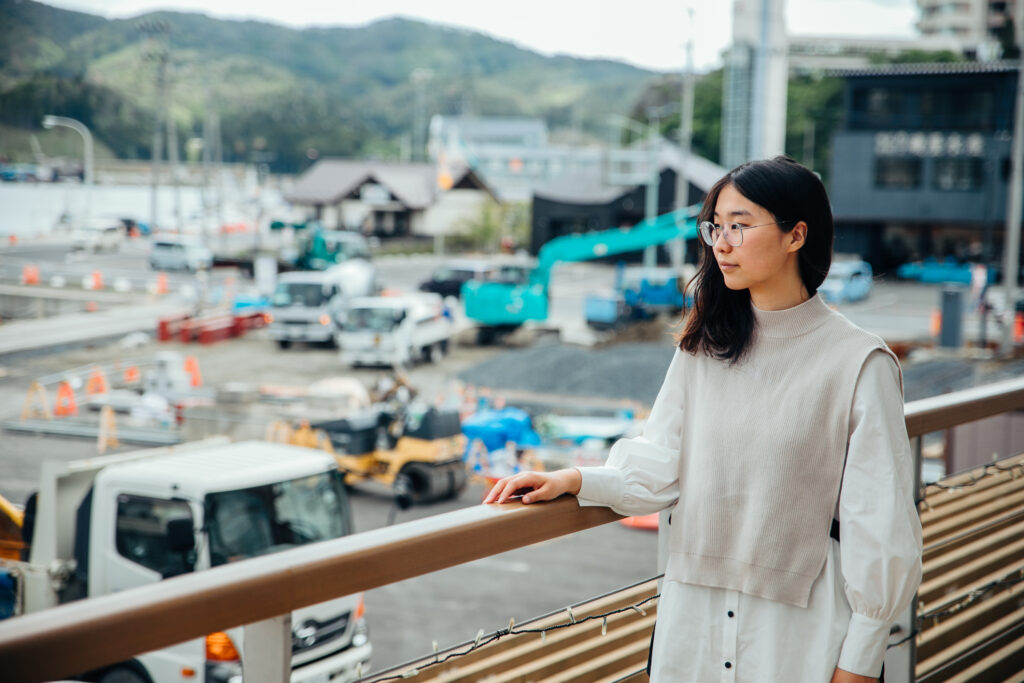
(588, 187)
(582, 187)
(927, 69)
(329, 181)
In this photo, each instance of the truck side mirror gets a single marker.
(180, 535)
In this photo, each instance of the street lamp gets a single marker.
(49, 121)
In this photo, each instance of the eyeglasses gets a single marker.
(733, 233)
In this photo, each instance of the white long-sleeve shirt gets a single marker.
(869, 578)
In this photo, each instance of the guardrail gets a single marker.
(84, 635)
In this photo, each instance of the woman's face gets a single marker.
(766, 261)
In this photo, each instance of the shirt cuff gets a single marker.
(600, 486)
(864, 647)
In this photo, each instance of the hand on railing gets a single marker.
(535, 487)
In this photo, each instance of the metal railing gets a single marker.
(112, 628)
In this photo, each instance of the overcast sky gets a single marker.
(648, 33)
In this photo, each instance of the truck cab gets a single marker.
(306, 304)
(395, 330)
(111, 524)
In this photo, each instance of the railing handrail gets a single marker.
(967, 405)
(83, 635)
(111, 628)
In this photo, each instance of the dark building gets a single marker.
(920, 165)
(585, 202)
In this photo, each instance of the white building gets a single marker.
(512, 155)
(390, 199)
(975, 23)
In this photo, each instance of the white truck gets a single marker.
(306, 303)
(395, 330)
(103, 525)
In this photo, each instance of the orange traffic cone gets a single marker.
(97, 383)
(161, 283)
(131, 374)
(1018, 328)
(65, 405)
(30, 275)
(192, 368)
(936, 323)
(97, 280)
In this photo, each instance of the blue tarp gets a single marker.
(497, 427)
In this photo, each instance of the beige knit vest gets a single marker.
(762, 452)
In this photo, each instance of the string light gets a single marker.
(990, 470)
(961, 603)
(482, 639)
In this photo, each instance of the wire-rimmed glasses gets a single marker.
(733, 233)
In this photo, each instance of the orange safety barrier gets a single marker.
(192, 368)
(97, 383)
(30, 275)
(217, 329)
(65, 405)
(131, 374)
(1018, 328)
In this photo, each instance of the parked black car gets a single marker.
(448, 279)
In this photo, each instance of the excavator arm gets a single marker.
(509, 305)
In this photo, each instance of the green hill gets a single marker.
(280, 91)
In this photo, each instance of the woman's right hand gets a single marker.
(537, 486)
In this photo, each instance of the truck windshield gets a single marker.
(310, 295)
(264, 519)
(373, 319)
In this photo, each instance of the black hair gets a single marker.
(722, 321)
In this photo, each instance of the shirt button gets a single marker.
(731, 614)
(728, 665)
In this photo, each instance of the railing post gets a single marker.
(267, 650)
(901, 661)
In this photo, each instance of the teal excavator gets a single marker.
(500, 307)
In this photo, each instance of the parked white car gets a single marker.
(98, 234)
(179, 253)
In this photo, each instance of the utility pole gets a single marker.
(172, 159)
(420, 76)
(653, 190)
(678, 247)
(158, 31)
(1011, 244)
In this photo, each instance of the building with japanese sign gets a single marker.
(920, 163)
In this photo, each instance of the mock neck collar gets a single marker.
(794, 321)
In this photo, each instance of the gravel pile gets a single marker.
(624, 371)
(635, 371)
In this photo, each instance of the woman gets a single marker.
(777, 432)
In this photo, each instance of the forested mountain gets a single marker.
(280, 92)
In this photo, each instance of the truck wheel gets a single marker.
(122, 674)
(435, 353)
(420, 481)
(283, 343)
(485, 336)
